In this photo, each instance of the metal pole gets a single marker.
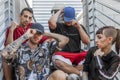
(93, 6)
(9, 12)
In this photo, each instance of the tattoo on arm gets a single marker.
(12, 47)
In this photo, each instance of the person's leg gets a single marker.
(7, 70)
(80, 60)
(57, 75)
(66, 67)
(64, 60)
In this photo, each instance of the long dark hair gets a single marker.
(111, 31)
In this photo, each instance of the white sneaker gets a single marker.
(73, 77)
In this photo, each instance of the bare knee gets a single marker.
(57, 75)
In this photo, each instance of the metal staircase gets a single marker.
(96, 13)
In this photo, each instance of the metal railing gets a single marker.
(109, 7)
(6, 18)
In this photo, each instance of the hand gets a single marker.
(13, 26)
(61, 12)
(79, 67)
(75, 23)
(30, 32)
(62, 9)
(98, 52)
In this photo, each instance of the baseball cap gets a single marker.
(69, 14)
(38, 27)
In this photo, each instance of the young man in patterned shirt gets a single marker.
(29, 58)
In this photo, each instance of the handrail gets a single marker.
(107, 16)
(27, 3)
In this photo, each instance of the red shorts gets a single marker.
(75, 58)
